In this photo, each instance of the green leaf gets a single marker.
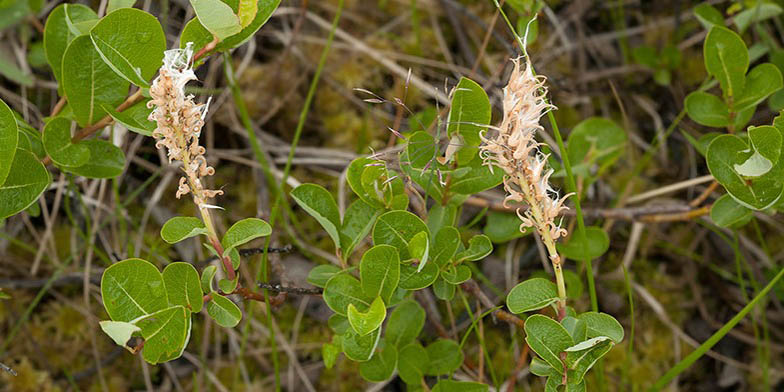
(405, 323)
(397, 228)
(479, 247)
(131, 42)
(502, 227)
(115, 5)
(329, 354)
(445, 357)
(166, 333)
(726, 58)
(217, 17)
(596, 243)
(246, 11)
(479, 177)
(468, 116)
(364, 323)
(244, 231)
(707, 109)
(207, 274)
(547, 338)
(459, 386)
(27, 179)
(381, 366)
(439, 216)
(757, 13)
(342, 290)
(586, 344)
(708, 15)
(541, 368)
(379, 272)
(726, 212)
(181, 227)
(419, 248)
(574, 284)
(131, 289)
(727, 153)
(412, 279)
(182, 286)
(320, 204)
(360, 348)
(412, 360)
(119, 331)
(134, 118)
(444, 290)
(456, 275)
(762, 81)
(357, 222)
(602, 324)
(577, 328)
(57, 34)
(9, 139)
(106, 160)
(596, 141)
(533, 294)
(338, 324)
(445, 245)
(89, 83)
(320, 274)
(228, 286)
(580, 361)
(11, 71)
(223, 311)
(57, 142)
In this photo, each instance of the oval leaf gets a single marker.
(367, 322)
(379, 272)
(445, 357)
(131, 289)
(166, 333)
(244, 231)
(26, 180)
(9, 139)
(223, 311)
(405, 323)
(397, 228)
(342, 290)
(106, 160)
(181, 227)
(547, 338)
(320, 204)
(533, 294)
(183, 286)
(596, 243)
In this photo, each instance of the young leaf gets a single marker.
(244, 231)
(602, 324)
(320, 204)
(181, 227)
(726, 212)
(26, 180)
(379, 272)
(135, 118)
(412, 279)
(182, 286)
(132, 288)
(58, 34)
(131, 42)
(320, 274)
(445, 357)
(412, 360)
(405, 323)
(456, 275)
(217, 17)
(9, 139)
(357, 222)
(446, 385)
(533, 294)
(342, 290)
(381, 366)
(166, 333)
(596, 243)
(207, 274)
(479, 246)
(57, 142)
(726, 58)
(547, 338)
(708, 16)
(223, 311)
(397, 228)
(443, 290)
(419, 248)
(119, 331)
(228, 286)
(360, 348)
(762, 81)
(707, 109)
(468, 117)
(89, 83)
(195, 32)
(445, 245)
(329, 354)
(580, 361)
(367, 322)
(106, 160)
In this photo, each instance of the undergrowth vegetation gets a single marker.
(423, 195)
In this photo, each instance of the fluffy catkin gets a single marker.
(515, 150)
(179, 121)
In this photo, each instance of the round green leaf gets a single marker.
(223, 311)
(456, 275)
(26, 180)
(320, 204)
(762, 81)
(9, 139)
(183, 286)
(57, 142)
(119, 331)
(533, 294)
(244, 231)
(381, 366)
(379, 272)
(166, 333)
(200, 36)
(596, 243)
(207, 274)
(320, 274)
(479, 247)
(405, 323)
(726, 212)
(412, 279)
(602, 324)
(726, 58)
(59, 31)
(469, 115)
(357, 222)
(217, 17)
(89, 83)
(364, 323)
(708, 15)
(342, 290)
(181, 227)
(135, 118)
(444, 290)
(360, 348)
(596, 140)
(133, 288)
(707, 109)
(445, 245)
(419, 248)
(397, 228)
(502, 227)
(547, 338)
(106, 160)
(412, 360)
(131, 42)
(445, 357)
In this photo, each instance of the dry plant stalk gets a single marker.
(515, 150)
(179, 121)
